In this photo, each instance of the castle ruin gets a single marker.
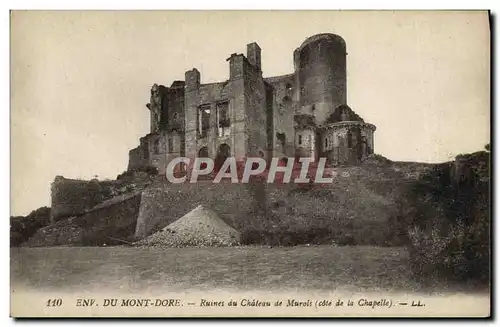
(302, 114)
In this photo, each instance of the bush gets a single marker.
(446, 219)
(22, 228)
(149, 170)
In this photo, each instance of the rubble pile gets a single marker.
(199, 227)
(376, 159)
(62, 232)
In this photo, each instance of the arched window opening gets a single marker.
(222, 154)
(203, 153)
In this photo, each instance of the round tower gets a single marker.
(320, 67)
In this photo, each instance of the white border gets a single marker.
(254, 4)
(145, 4)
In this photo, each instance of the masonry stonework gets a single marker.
(304, 113)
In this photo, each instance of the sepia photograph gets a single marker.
(250, 163)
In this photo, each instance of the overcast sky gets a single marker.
(80, 80)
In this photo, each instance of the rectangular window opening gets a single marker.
(170, 145)
(223, 120)
(203, 120)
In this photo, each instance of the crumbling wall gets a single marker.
(236, 204)
(72, 197)
(282, 114)
(135, 159)
(355, 209)
(110, 223)
(255, 112)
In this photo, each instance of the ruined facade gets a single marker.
(300, 114)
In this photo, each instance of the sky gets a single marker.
(80, 80)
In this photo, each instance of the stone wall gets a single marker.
(157, 150)
(175, 107)
(153, 148)
(347, 142)
(305, 143)
(135, 159)
(283, 112)
(191, 102)
(211, 96)
(110, 223)
(355, 209)
(238, 205)
(72, 197)
(237, 64)
(255, 112)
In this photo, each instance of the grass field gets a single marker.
(314, 268)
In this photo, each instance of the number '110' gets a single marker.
(54, 302)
